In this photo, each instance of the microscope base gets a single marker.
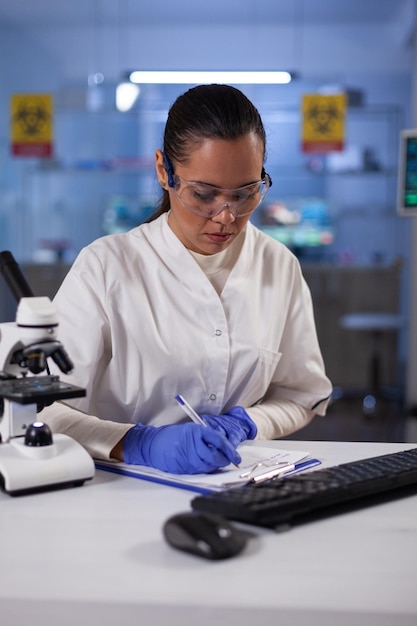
(25, 469)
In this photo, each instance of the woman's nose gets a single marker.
(226, 215)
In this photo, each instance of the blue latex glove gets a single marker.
(178, 448)
(236, 425)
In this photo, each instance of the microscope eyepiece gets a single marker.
(13, 276)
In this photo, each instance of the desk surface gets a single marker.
(95, 555)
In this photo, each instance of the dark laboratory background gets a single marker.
(337, 211)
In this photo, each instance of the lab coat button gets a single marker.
(213, 396)
(218, 332)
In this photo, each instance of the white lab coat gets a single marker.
(142, 323)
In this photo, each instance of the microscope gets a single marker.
(31, 458)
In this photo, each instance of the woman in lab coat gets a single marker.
(196, 302)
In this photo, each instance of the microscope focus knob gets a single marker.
(38, 434)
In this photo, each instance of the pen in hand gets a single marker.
(195, 417)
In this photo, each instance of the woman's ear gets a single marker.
(161, 172)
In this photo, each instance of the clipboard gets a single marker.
(256, 460)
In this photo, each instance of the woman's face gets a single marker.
(219, 163)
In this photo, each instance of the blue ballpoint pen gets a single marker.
(195, 417)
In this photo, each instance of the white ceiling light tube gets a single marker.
(207, 77)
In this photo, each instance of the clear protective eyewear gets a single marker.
(208, 201)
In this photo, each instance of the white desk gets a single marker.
(95, 555)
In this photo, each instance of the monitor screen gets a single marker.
(407, 173)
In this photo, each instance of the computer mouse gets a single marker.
(203, 534)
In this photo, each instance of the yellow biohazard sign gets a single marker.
(31, 125)
(323, 123)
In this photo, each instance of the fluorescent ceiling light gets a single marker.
(207, 77)
(126, 95)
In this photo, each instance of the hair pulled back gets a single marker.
(207, 112)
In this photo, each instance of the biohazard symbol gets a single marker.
(323, 117)
(31, 118)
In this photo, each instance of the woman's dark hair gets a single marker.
(206, 112)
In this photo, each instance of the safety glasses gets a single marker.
(208, 201)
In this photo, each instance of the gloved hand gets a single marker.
(178, 448)
(235, 424)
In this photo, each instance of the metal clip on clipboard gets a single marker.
(277, 470)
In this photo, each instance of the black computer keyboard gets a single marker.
(326, 491)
